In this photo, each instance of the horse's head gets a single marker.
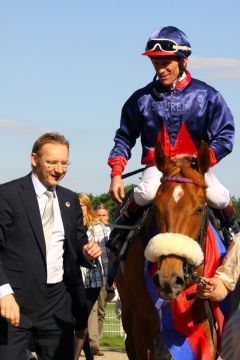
(179, 210)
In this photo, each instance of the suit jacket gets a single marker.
(23, 252)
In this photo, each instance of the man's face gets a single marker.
(167, 69)
(50, 165)
(103, 215)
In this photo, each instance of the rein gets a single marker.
(124, 176)
(126, 227)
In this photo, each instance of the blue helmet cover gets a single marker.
(175, 34)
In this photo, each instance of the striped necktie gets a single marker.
(48, 219)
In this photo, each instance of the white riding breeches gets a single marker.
(218, 195)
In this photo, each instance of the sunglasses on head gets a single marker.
(165, 45)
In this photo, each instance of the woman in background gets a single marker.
(95, 277)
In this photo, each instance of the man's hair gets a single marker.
(49, 138)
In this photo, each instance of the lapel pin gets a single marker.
(67, 204)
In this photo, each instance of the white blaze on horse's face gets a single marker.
(177, 193)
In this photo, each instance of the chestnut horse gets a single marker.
(172, 227)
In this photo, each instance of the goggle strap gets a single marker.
(181, 47)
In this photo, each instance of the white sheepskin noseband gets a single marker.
(174, 244)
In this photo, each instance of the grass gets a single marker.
(113, 342)
(113, 336)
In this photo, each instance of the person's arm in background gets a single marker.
(226, 276)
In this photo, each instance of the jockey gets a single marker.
(179, 111)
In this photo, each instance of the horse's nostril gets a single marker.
(179, 281)
(156, 280)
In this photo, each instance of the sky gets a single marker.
(69, 66)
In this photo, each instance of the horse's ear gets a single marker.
(161, 160)
(203, 158)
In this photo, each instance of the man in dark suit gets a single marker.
(41, 289)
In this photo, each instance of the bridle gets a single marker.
(190, 274)
(180, 179)
(188, 269)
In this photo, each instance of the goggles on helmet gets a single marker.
(165, 45)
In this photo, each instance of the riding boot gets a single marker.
(229, 217)
(128, 215)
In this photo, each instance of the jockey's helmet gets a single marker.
(168, 41)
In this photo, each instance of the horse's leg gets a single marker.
(139, 315)
(146, 347)
(127, 326)
(140, 338)
(200, 317)
(126, 317)
(135, 342)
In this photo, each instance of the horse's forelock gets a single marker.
(183, 167)
(186, 169)
(193, 174)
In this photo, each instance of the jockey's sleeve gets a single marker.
(220, 129)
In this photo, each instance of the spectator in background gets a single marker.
(94, 278)
(102, 213)
(106, 293)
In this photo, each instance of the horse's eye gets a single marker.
(199, 210)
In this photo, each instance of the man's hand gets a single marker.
(117, 189)
(9, 310)
(92, 250)
(215, 290)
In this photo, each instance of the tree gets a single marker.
(106, 199)
(236, 203)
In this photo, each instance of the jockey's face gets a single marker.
(167, 68)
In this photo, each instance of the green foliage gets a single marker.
(106, 199)
(236, 203)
